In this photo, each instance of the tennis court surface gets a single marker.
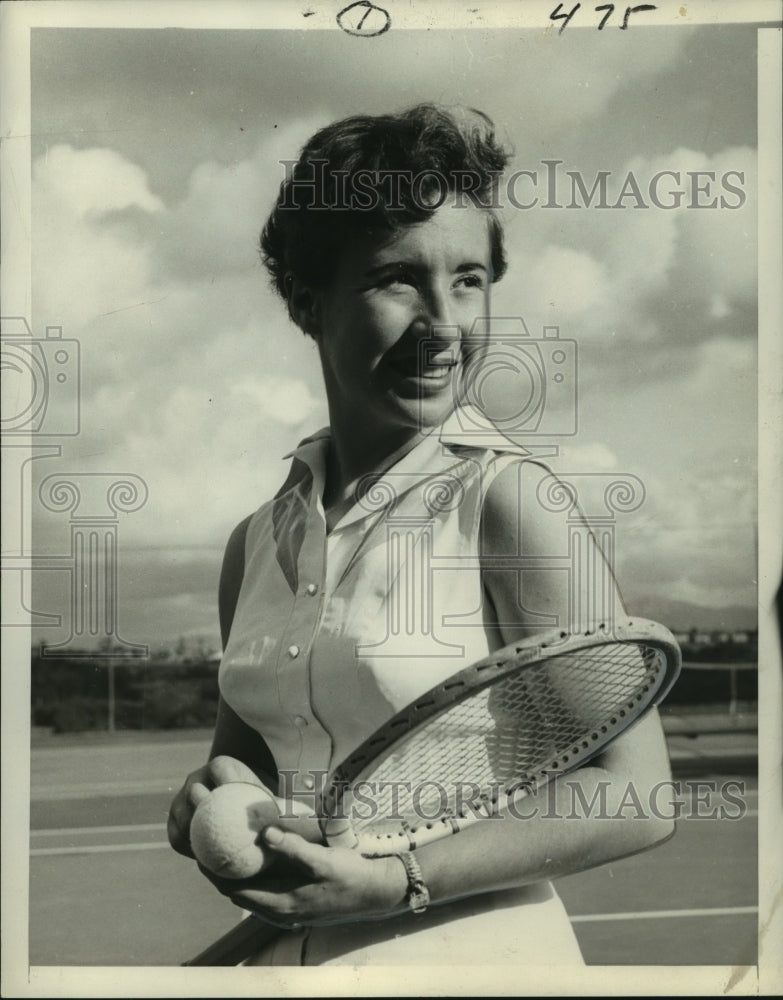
(101, 861)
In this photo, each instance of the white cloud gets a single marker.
(208, 457)
(198, 385)
(215, 228)
(690, 436)
(82, 267)
(711, 252)
(617, 269)
(721, 592)
(92, 181)
(719, 246)
(283, 399)
(566, 281)
(725, 368)
(594, 456)
(719, 307)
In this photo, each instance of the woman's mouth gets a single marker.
(435, 368)
(436, 373)
(412, 378)
(417, 380)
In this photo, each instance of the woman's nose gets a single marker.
(437, 318)
(440, 311)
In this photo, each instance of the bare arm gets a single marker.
(624, 784)
(234, 738)
(238, 752)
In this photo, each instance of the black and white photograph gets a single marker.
(391, 442)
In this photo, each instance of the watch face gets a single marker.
(419, 899)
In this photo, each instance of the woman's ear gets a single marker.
(303, 306)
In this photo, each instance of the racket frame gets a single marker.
(510, 659)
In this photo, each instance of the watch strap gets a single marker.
(418, 895)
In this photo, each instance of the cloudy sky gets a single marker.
(155, 161)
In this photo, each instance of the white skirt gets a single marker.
(526, 926)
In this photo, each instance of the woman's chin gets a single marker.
(425, 401)
(426, 412)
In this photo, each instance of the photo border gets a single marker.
(16, 22)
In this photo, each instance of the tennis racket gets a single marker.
(490, 734)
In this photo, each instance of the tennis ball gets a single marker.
(226, 826)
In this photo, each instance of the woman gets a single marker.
(384, 244)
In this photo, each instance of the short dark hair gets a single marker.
(432, 145)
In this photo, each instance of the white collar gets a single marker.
(466, 429)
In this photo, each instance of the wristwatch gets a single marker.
(418, 895)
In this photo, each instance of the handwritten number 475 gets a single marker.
(556, 14)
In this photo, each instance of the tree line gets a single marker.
(94, 693)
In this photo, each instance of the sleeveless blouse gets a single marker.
(336, 631)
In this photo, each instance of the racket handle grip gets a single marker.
(237, 945)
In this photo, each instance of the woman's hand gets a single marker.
(219, 771)
(313, 884)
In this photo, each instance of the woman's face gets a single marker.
(393, 327)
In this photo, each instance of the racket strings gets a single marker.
(544, 717)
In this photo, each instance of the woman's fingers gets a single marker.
(278, 894)
(196, 787)
(314, 884)
(295, 849)
(178, 828)
(220, 770)
(196, 793)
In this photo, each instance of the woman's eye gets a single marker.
(397, 278)
(471, 281)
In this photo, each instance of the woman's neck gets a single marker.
(356, 450)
